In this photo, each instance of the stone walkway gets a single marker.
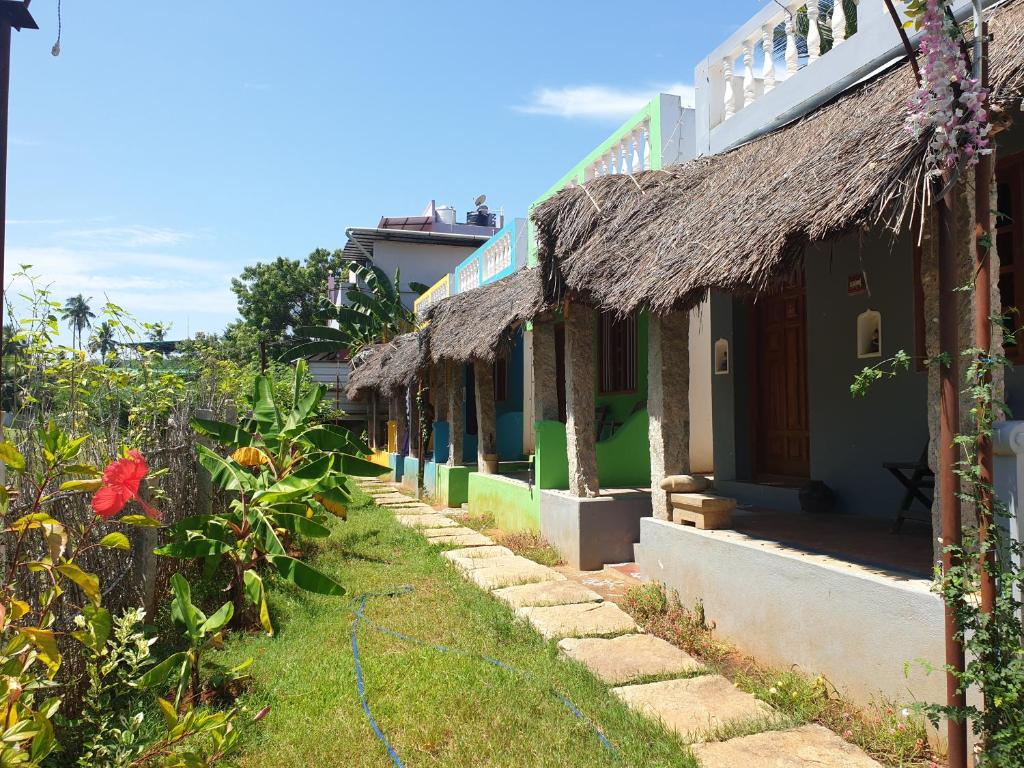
(649, 674)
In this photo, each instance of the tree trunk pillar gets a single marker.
(580, 385)
(668, 403)
(456, 412)
(401, 421)
(486, 418)
(545, 384)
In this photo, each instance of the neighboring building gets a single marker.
(418, 248)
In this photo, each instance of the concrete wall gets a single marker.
(855, 626)
(514, 504)
(418, 262)
(589, 533)
(849, 438)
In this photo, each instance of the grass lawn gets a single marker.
(436, 709)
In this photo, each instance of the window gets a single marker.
(618, 354)
(1009, 244)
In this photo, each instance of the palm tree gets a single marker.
(79, 317)
(158, 331)
(103, 340)
(374, 315)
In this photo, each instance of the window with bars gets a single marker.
(618, 354)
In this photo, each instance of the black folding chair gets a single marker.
(916, 478)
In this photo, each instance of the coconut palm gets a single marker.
(373, 315)
(103, 340)
(79, 316)
(158, 332)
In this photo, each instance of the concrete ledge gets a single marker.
(755, 495)
(855, 625)
(591, 532)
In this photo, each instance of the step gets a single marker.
(454, 537)
(694, 706)
(426, 521)
(510, 572)
(547, 593)
(620, 660)
(810, 746)
(578, 620)
(472, 553)
(705, 521)
(702, 502)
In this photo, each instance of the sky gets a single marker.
(171, 144)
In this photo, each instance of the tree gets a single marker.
(158, 331)
(79, 316)
(373, 315)
(281, 295)
(103, 340)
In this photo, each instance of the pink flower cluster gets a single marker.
(958, 124)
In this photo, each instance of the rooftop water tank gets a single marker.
(446, 214)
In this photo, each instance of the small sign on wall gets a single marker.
(856, 284)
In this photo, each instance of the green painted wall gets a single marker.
(623, 460)
(514, 505)
(453, 485)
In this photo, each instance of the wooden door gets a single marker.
(781, 435)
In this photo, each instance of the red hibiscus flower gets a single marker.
(121, 481)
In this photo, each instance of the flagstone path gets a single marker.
(651, 675)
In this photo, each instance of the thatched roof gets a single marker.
(739, 220)
(388, 368)
(479, 323)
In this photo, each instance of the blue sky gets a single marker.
(170, 144)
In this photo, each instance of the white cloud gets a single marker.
(599, 102)
(135, 236)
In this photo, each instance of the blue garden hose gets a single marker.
(360, 616)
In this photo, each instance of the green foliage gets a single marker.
(283, 294)
(286, 475)
(886, 369)
(373, 315)
(79, 316)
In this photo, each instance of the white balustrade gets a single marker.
(748, 73)
(813, 34)
(631, 153)
(730, 97)
(792, 55)
(761, 33)
(768, 48)
(635, 139)
(624, 155)
(838, 23)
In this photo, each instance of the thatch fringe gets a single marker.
(739, 221)
(478, 324)
(389, 368)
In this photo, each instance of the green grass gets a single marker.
(437, 709)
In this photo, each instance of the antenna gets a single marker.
(480, 200)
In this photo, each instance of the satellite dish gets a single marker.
(480, 200)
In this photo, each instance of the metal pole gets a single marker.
(983, 313)
(949, 481)
(5, 93)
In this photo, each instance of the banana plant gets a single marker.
(184, 668)
(285, 476)
(374, 315)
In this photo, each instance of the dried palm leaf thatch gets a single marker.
(739, 221)
(390, 367)
(478, 324)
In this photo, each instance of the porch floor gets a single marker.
(857, 539)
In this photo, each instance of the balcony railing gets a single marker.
(439, 290)
(493, 260)
(777, 44)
